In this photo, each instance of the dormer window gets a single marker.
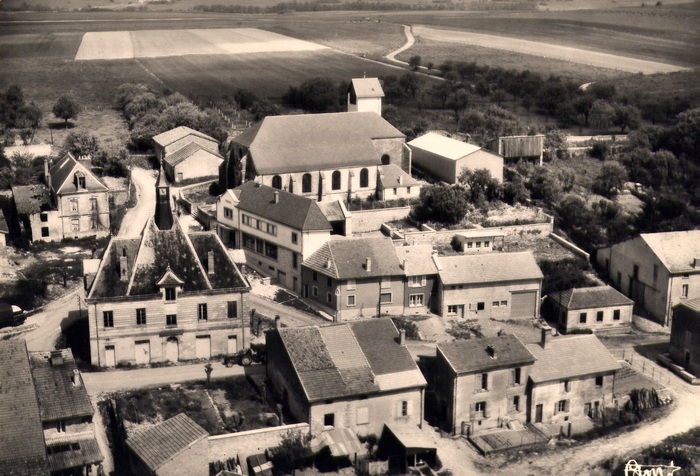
(79, 181)
(170, 294)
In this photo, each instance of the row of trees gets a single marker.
(149, 113)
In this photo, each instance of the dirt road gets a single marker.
(60, 312)
(575, 55)
(409, 42)
(136, 218)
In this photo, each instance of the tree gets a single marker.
(442, 203)
(514, 191)
(544, 185)
(601, 114)
(66, 107)
(626, 116)
(411, 83)
(480, 185)
(316, 95)
(459, 101)
(414, 62)
(556, 145)
(80, 143)
(26, 135)
(293, 452)
(610, 180)
(208, 369)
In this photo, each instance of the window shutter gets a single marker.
(398, 408)
(556, 407)
(566, 407)
(512, 377)
(409, 408)
(423, 280)
(472, 411)
(477, 382)
(487, 410)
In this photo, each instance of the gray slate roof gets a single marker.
(367, 88)
(292, 210)
(30, 198)
(569, 357)
(309, 142)
(469, 356)
(346, 360)
(676, 249)
(489, 267)
(593, 297)
(389, 176)
(159, 443)
(22, 450)
(64, 169)
(58, 397)
(348, 259)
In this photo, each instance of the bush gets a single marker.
(441, 203)
(599, 150)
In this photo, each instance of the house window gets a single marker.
(404, 408)
(364, 178)
(93, 223)
(314, 291)
(452, 309)
(408, 189)
(335, 180)
(295, 260)
(516, 376)
(599, 381)
(75, 224)
(616, 315)
(171, 320)
(295, 238)
(385, 283)
(599, 316)
(277, 182)
(484, 381)
(108, 317)
(61, 426)
(363, 415)
(385, 298)
(246, 220)
(74, 205)
(329, 419)
(306, 183)
(478, 244)
(232, 309)
(93, 203)
(44, 231)
(684, 291)
(516, 403)
(469, 244)
(561, 406)
(329, 282)
(170, 294)
(486, 244)
(351, 300)
(416, 281)
(271, 250)
(202, 312)
(44, 217)
(396, 191)
(314, 276)
(480, 409)
(351, 284)
(248, 242)
(228, 213)
(494, 304)
(504, 303)
(415, 300)
(480, 306)
(271, 229)
(329, 297)
(81, 182)
(582, 318)
(141, 317)
(567, 385)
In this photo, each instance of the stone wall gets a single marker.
(444, 237)
(247, 443)
(364, 221)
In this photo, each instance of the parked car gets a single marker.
(10, 315)
(256, 353)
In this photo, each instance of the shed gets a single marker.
(406, 446)
(519, 147)
(444, 158)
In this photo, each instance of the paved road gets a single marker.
(136, 218)
(118, 380)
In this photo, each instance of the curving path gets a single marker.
(136, 218)
(409, 42)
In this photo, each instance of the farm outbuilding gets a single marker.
(365, 95)
(192, 161)
(519, 147)
(444, 158)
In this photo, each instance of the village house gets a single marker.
(358, 375)
(596, 308)
(172, 447)
(166, 296)
(45, 414)
(355, 277)
(480, 384)
(685, 336)
(365, 95)
(479, 240)
(394, 183)
(73, 204)
(187, 154)
(420, 270)
(277, 230)
(482, 286)
(656, 270)
(445, 158)
(327, 157)
(572, 381)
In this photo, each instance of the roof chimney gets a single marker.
(278, 322)
(276, 196)
(696, 263)
(56, 358)
(491, 351)
(210, 262)
(86, 161)
(400, 179)
(368, 264)
(546, 336)
(329, 263)
(405, 264)
(402, 337)
(75, 378)
(123, 266)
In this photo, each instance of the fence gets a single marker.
(643, 365)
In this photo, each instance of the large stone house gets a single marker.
(357, 375)
(572, 380)
(166, 296)
(498, 285)
(355, 277)
(597, 307)
(45, 414)
(656, 270)
(685, 336)
(73, 204)
(327, 157)
(277, 230)
(420, 270)
(187, 154)
(480, 384)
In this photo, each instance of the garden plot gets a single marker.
(162, 43)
